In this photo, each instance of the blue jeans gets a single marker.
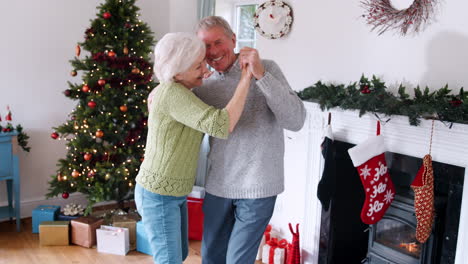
(233, 228)
(165, 221)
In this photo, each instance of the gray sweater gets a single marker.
(249, 164)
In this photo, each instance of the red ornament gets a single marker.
(85, 88)
(101, 82)
(91, 104)
(54, 135)
(123, 108)
(106, 15)
(91, 174)
(99, 134)
(8, 116)
(111, 54)
(65, 195)
(67, 92)
(87, 156)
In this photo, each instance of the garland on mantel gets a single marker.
(372, 96)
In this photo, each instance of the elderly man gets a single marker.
(246, 172)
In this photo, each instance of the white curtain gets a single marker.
(206, 8)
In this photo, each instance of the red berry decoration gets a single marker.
(65, 195)
(456, 102)
(111, 54)
(101, 82)
(91, 104)
(85, 88)
(365, 89)
(67, 92)
(54, 135)
(106, 15)
(88, 156)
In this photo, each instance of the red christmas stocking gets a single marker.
(423, 186)
(369, 159)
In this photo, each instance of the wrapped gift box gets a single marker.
(142, 243)
(43, 213)
(62, 217)
(112, 240)
(195, 218)
(54, 233)
(127, 221)
(269, 233)
(83, 231)
(276, 249)
(197, 192)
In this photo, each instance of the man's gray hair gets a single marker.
(175, 53)
(210, 22)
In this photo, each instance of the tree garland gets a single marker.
(382, 16)
(372, 96)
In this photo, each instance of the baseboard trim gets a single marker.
(28, 206)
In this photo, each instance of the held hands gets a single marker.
(246, 74)
(249, 58)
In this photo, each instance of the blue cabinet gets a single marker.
(9, 172)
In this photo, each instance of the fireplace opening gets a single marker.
(345, 239)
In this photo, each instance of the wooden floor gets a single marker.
(23, 248)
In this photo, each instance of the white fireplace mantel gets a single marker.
(304, 164)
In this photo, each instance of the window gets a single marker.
(244, 27)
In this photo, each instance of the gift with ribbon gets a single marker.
(274, 251)
(267, 235)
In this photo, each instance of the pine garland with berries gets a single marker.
(372, 96)
(21, 137)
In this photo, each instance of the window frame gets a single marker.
(235, 21)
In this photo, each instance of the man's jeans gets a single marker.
(233, 228)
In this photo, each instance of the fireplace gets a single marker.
(392, 239)
(449, 243)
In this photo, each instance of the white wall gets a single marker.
(330, 41)
(38, 39)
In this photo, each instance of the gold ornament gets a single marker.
(135, 71)
(75, 174)
(99, 134)
(78, 50)
(125, 50)
(107, 176)
(73, 73)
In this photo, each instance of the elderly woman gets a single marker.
(177, 121)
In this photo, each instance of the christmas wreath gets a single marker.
(382, 15)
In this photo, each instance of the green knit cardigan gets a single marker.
(176, 123)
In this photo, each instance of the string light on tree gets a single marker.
(111, 42)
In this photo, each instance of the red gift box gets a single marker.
(195, 218)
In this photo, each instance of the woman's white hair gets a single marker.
(175, 53)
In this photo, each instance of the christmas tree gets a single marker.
(106, 132)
